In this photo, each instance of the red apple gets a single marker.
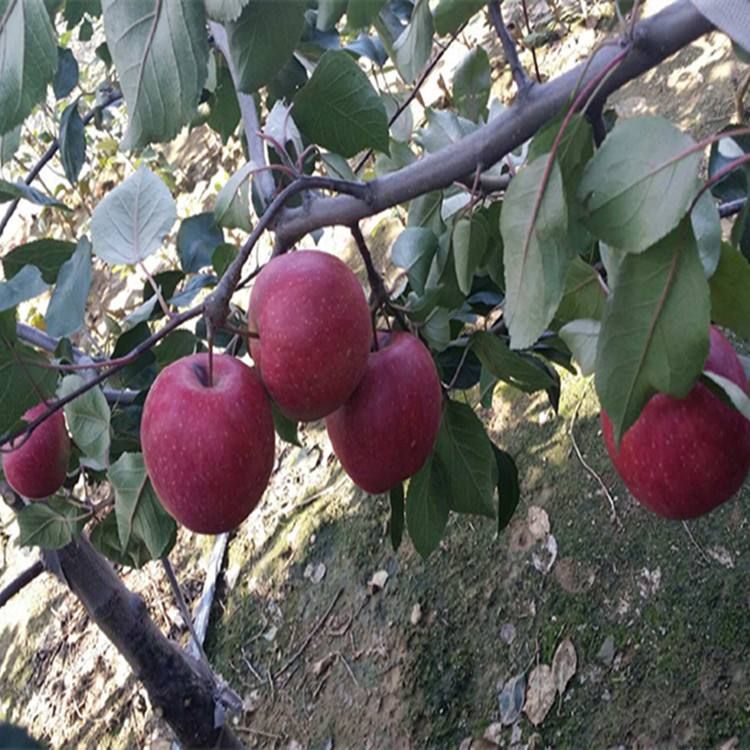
(313, 323)
(387, 429)
(209, 449)
(37, 467)
(683, 457)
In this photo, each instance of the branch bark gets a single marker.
(655, 39)
(20, 583)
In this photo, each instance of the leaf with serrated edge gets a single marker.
(339, 109)
(131, 222)
(584, 295)
(508, 365)
(51, 524)
(427, 508)
(654, 335)
(232, 206)
(537, 251)
(137, 508)
(730, 301)
(465, 454)
(639, 184)
(26, 284)
(29, 59)
(582, 338)
(707, 230)
(88, 418)
(66, 310)
(262, 39)
(160, 51)
(413, 48)
(564, 664)
(72, 142)
(470, 239)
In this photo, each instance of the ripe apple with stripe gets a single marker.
(208, 444)
(684, 457)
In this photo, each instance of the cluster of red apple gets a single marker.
(208, 438)
(208, 433)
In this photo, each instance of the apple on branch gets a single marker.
(684, 457)
(313, 332)
(208, 441)
(36, 468)
(387, 429)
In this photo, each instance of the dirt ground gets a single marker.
(335, 641)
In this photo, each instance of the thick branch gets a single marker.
(23, 580)
(50, 153)
(655, 39)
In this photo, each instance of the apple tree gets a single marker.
(543, 235)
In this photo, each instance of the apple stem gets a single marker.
(210, 337)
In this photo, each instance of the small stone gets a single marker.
(516, 735)
(494, 732)
(315, 572)
(606, 654)
(538, 522)
(378, 581)
(416, 614)
(508, 633)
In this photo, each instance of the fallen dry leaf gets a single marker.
(545, 557)
(540, 694)
(574, 576)
(510, 700)
(322, 665)
(722, 556)
(564, 665)
(538, 522)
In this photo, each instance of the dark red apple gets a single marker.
(386, 431)
(209, 449)
(313, 323)
(37, 467)
(683, 457)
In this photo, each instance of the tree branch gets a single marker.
(655, 39)
(523, 82)
(48, 155)
(21, 581)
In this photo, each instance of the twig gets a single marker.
(343, 660)
(311, 635)
(50, 153)
(157, 290)
(720, 175)
(695, 542)
(509, 47)
(730, 208)
(21, 581)
(531, 49)
(589, 468)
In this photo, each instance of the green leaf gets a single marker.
(537, 251)
(582, 338)
(362, 13)
(465, 454)
(444, 128)
(339, 109)
(654, 335)
(232, 207)
(450, 15)
(50, 524)
(72, 142)
(174, 346)
(639, 184)
(26, 284)
(741, 231)
(731, 391)
(427, 507)
(74, 11)
(24, 381)
(67, 309)
(9, 143)
(730, 301)
(508, 487)
(707, 230)
(11, 191)
(47, 255)
(196, 241)
(263, 38)
(66, 77)
(137, 508)
(88, 419)
(29, 59)
(470, 237)
(412, 49)
(225, 109)
(223, 257)
(413, 251)
(286, 428)
(396, 523)
(584, 295)
(105, 538)
(160, 52)
(735, 184)
(329, 13)
(509, 366)
(472, 84)
(224, 10)
(131, 222)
